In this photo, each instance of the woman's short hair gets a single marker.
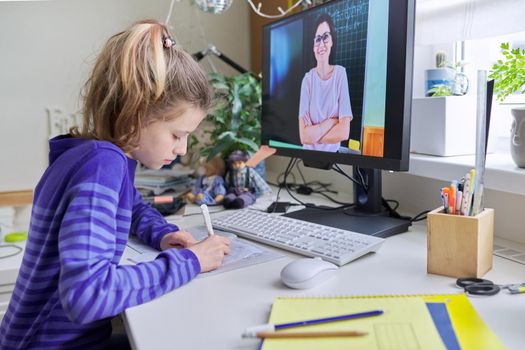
(138, 77)
(325, 17)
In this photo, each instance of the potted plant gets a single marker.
(444, 109)
(509, 78)
(236, 118)
(447, 78)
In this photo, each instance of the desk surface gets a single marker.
(212, 312)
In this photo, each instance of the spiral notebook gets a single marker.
(409, 322)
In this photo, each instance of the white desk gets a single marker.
(9, 268)
(212, 312)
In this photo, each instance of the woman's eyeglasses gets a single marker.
(325, 37)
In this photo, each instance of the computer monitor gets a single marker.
(337, 89)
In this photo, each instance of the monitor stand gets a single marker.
(367, 216)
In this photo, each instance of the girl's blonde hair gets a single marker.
(137, 78)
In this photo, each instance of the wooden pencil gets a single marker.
(322, 334)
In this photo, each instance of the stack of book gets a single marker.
(157, 182)
(164, 189)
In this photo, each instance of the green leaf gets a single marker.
(252, 145)
(440, 90)
(509, 75)
(224, 136)
(219, 86)
(218, 150)
(225, 141)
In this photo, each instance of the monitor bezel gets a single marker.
(398, 100)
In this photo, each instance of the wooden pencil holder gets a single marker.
(459, 246)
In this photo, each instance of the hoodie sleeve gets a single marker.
(147, 223)
(91, 285)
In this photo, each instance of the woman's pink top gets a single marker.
(322, 99)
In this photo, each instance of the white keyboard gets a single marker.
(330, 244)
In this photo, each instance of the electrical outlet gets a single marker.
(60, 122)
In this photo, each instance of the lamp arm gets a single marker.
(199, 55)
(232, 63)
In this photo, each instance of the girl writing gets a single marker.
(142, 100)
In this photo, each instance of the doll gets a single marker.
(209, 188)
(243, 183)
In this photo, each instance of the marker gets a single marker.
(459, 200)
(207, 219)
(466, 191)
(452, 199)
(445, 193)
(472, 191)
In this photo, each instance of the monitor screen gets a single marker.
(337, 83)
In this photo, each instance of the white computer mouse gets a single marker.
(307, 273)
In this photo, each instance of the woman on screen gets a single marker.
(324, 111)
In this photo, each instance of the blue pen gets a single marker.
(251, 332)
(443, 199)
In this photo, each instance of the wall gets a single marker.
(47, 49)
(416, 194)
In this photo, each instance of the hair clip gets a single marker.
(167, 41)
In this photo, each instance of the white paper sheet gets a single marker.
(242, 253)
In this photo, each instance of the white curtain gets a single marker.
(446, 21)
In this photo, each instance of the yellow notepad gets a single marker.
(406, 323)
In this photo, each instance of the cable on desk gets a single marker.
(19, 250)
(418, 218)
(300, 172)
(279, 190)
(361, 183)
(290, 166)
(281, 183)
(393, 201)
(392, 211)
(306, 188)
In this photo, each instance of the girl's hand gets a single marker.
(177, 239)
(211, 252)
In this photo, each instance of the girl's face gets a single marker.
(322, 43)
(162, 141)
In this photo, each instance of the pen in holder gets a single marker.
(459, 246)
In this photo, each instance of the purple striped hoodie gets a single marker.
(70, 283)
